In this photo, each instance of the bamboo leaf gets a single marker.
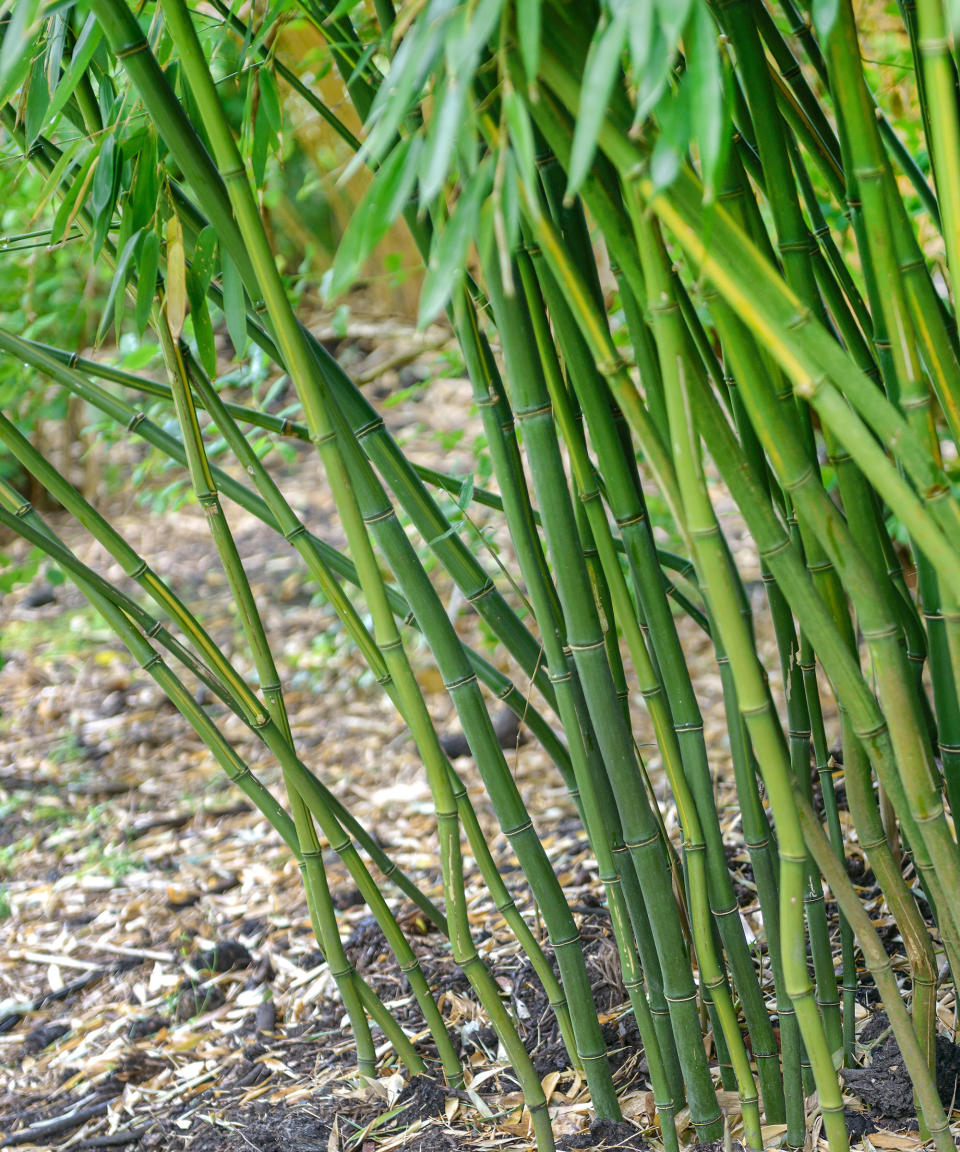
(56, 41)
(202, 326)
(270, 100)
(704, 83)
(176, 301)
(103, 193)
(412, 63)
(441, 139)
(38, 100)
(449, 249)
(528, 35)
(86, 46)
(599, 75)
(521, 138)
(21, 35)
(54, 180)
(147, 279)
(117, 285)
(234, 304)
(824, 14)
(75, 196)
(262, 136)
(203, 262)
(143, 194)
(380, 206)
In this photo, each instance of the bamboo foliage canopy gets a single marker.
(683, 251)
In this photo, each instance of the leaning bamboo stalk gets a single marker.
(755, 704)
(531, 406)
(319, 901)
(22, 521)
(882, 970)
(295, 532)
(322, 418)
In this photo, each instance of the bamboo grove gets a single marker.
(766, 319)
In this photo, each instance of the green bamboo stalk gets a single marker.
(319, 901)
(531, 406)
(293, 530)
(16, 514)
(882, 970)
(711, 970)
(755, 705)
(682, 712)
(323, 418)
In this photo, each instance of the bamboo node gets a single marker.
(368, 429)
(131, 49)
(485, 590)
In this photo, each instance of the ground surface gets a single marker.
(160, 985)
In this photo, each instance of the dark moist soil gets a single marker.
(884, 1086)
(606, 1134)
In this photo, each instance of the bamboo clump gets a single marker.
(773, 324)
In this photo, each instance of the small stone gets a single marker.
(224, 956)
(113, 704)
(40, 596)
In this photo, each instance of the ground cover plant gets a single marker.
(680, 246)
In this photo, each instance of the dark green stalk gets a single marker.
(294, 531)
(682, 711)
(882, 970)
(531, 405)
(755, 703)
(712, 976)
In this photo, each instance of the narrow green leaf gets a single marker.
(528, 34)
(202, 326)
(824, 15)
(343, 8)
(56, 41)
(262, 137)
(117, 285)
(449, 249)
(103, 192)
(21, 36)
(53, 181)
(234, 304)
(146, 182)
(381, 204)
(704, 83)
(599, 75)
(203, 262)
(75, 196)
(270, 100)
(83, 52)
(672, 17)
(147, 279)
(411, 65)
(521, 138)
(38, 100)
(441, 140)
